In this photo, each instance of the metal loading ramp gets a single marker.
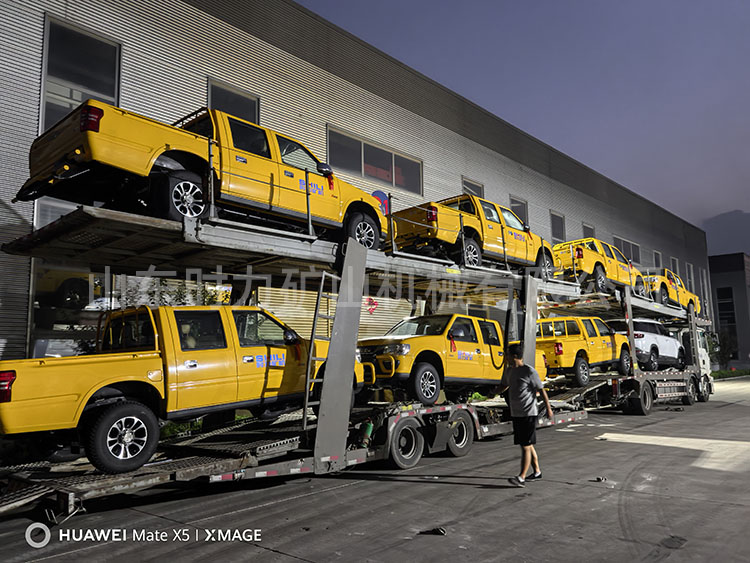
(610, 306)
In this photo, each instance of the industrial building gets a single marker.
(382, 126)
(730, 283)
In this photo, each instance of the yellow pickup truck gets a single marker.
(667, 288)
(599, 262)
(490, 233)
(101, 153)
(453, 352)
(573, 345)
(170, 363)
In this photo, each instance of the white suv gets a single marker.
(655, 347)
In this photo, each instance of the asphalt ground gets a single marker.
(674, 486)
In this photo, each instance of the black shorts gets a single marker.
(524, 430)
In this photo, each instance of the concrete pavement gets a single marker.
(675, 486)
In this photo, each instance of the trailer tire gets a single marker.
(692, 393)
(128, 429)
(625, 362)
(407, 443)
(581, 371)
(424, 383)
(704, 392)
(642, 404)
(462, 437)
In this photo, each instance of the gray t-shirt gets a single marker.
(523, 382)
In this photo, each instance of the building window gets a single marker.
(689, 280)
(520, 208)
(631, 250)
(727, 319)
(557, 222)
(79, 66)
(370, 161)
(674, 265)
(588, 231)
(233, 101)
(657, 260)
(472, 187)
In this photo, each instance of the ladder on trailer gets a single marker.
(313, 379)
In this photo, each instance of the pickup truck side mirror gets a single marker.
(325, 169)
(290, 338)
(526, 228)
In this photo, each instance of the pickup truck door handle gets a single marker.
(248, 359)
(477, 351)
(190, 364)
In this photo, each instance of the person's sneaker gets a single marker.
(516, 482)
(534, 476)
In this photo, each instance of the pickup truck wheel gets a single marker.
(623, 366)
(407, 443)
(642, 404)
(640, 287)
(462, 437)
(123, 438)
(472, 253)
(653, 361)
(692, 393)
(600, 279)
(663, 295)
(184, 196)
(581, 371)
(690, 309)
(363, 228)
(545, 266)
(703, 390)
(424, 383)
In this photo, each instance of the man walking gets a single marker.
(522, 383)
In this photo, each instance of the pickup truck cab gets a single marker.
(170, 363)
(667, 288)
(103, 153)
(573, 345)
(599, 262)
(425, 354)
(490, 233)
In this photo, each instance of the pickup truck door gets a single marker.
(464, 354)
(325, 201)
(252, 170)
(592, 341)
(514, 232)
(493, 230)
(623, 268)
(607, 338)
(205, 364)
(267, 368)
(492, 350)
(610, 264)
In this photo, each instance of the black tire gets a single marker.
(581, 371)
(424, 383)
(692, 390)
(625, 362)
(663, 295)
(681, 360)
(600, 279)
(472, 253)
(704, 393)
(364, 229)
(183, 195)
(73, 293)
(122, 438)
(644, 402)
(462, 437)
(545, 266)
(640, 287)
(690, 309)
(627, 407)
(407, 443)
(652, 364)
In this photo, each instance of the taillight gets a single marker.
(6, 382)
(579, 253)
(432, 213)
(558, 349)
(637, 335)
(90, 117)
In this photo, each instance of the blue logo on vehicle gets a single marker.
(465, 355)
(314, 188)
(382, 197)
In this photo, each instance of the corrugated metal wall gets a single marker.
(170, 49)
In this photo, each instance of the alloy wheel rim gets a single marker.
(428, 384)
(127, 437)
(187, 199)
(364, 234)
(471, 255)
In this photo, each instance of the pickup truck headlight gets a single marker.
(397, 349)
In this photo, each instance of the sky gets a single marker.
(653, 94)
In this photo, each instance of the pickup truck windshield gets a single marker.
(420, 326)
(128, 332)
